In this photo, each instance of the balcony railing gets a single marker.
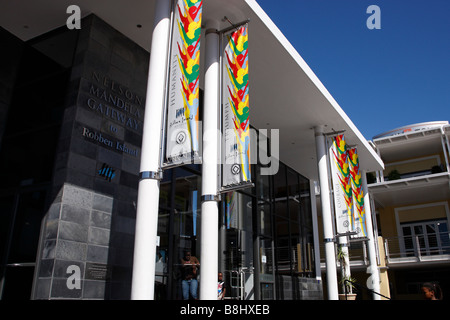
(418, 248)
(357, 253)
(432, 248)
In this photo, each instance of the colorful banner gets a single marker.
(231, 209)
(182, 135)
(235, 112)
(358, 195)
(342, 185)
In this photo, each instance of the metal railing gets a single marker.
(358, 254)
(236, 280)
(417, 247)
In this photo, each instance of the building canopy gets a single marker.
(285, 93)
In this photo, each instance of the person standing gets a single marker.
(189, 271)
(220, 287)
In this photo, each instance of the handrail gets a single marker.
(433, 244)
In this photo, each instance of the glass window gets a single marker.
(279, 183)
(262, 185)
(186, 225)
(162, 256)
(27, 227)
(265, 220)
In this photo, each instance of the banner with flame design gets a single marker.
(359, 212)
(342, 185)
(235, 110)
(182, 135)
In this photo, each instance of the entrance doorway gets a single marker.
(178, 229)
(21, 214)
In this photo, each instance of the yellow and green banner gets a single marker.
(182, 131)
(236, 109)
(342, 185)
(359, 212)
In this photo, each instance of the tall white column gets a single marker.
(210, 214)
(330, 257)
(315, 224)
(143, 281)
(345, 262)
(374, 279)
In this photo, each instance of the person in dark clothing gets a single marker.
(189, 270)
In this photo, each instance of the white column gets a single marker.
(312, 192)
(374, 279)
(330, 257)
(143, 281)
(209, 245)
(345, 264)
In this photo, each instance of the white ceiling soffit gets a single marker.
(285, 93)
(410, 145)
(429, 188)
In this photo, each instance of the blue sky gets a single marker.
(383, 79)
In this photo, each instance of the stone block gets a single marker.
(61, 290)
(100, 219)
(77, 196)
(75, 214)
(103, 203)
(61, 268)
(94, 289)
(73, 231)
(99, 236)
(98, 254)
(70, 250)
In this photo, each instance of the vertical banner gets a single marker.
(235, 110)
(182, 125)
(358, 195)
(342, 185)
(231, 209)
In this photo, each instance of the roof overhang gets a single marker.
(285, 93)
(409, 145)
(428, 188)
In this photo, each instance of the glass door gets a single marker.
(236, 246)
(21, 217)
(425, 238)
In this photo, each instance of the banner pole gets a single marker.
(143, 278)
(330, 257)
(209, 244)
(374, 279)
(166, 90)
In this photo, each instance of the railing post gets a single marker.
(418, 248)
(386, 249)
(365, 252)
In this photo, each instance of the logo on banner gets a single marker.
(181, 137)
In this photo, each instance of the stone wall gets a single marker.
(88, 231)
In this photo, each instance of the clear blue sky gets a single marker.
(383, 79)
